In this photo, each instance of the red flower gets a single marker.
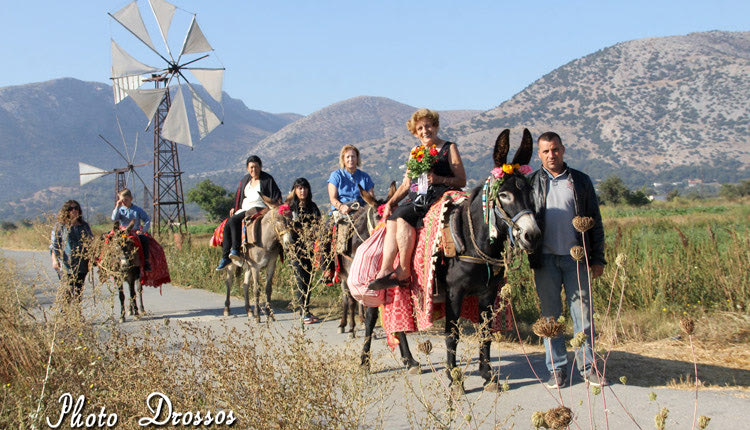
(420, 157)
(433, 151)
(284, 209)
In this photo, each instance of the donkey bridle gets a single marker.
(509, 222)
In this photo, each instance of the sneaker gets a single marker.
(593, 379)
(310, 319)
(558, 379)
(223, 263)
(235, 255)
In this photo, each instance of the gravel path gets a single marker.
(511, 409)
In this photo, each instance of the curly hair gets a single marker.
(421, 114)
(64, 215)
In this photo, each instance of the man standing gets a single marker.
(560, 194)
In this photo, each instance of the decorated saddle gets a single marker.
(420, 305)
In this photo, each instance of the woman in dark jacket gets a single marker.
(248, 201)
(305, 215)
(68, 248)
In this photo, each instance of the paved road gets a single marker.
(513, 408)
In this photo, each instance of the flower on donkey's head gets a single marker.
(497, 172)
(284, 209)
(525, 169)
(508, 168)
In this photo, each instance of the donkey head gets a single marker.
(511, 192)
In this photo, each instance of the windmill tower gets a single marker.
(124, 176)
(164, 104)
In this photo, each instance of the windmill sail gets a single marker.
(120, 86)
(195, 41)
(88, 172)
(163, 12)
(175, 126)
(130, 18)
(123, 64)
(205, 117)
(211, 79)
(148, 100)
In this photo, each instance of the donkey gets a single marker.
(255, 258)
(119, 259)
(467, 274)
(362, 222)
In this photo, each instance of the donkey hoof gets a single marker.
(122, 319)
(257, 318)
(415, 369)
(341, 330)
(352, 335)
(226, 312)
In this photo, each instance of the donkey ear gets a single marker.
(523, 155)
(501, 148)
(367, 197)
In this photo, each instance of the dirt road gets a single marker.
(628, 406)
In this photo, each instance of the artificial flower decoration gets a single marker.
(421, 160)
(508, 169)
(284, 209)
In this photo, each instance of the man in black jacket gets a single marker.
(561, 194)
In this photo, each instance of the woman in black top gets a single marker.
(446, 174)
(305, 215)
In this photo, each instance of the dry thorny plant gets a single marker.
(269, 378)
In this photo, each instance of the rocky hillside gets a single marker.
(47, 128)
(661, 108)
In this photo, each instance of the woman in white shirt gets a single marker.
(248, 201)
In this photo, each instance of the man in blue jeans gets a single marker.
(561, 193)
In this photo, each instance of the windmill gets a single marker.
(164, 104)
(124, 176)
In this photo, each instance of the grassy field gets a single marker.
(679, 261)
(682, 258)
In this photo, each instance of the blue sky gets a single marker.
(301, 56)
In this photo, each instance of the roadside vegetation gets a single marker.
(676, 287)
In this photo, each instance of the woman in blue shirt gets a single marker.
(344, 183)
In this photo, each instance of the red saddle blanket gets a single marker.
(411, 309)
(159, 273)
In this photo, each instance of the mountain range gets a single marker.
(657, 109)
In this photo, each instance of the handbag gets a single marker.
(364, 269)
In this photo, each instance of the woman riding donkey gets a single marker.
(344, 186)
(447, 173)
(254, 187)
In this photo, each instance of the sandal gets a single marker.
(382, 283)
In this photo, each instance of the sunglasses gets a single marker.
(74, 208)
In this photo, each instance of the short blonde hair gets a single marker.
(421, 114)
(125, 193)
(343, 151)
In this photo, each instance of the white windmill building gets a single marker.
(158, 91)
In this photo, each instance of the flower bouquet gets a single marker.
(421, 160)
